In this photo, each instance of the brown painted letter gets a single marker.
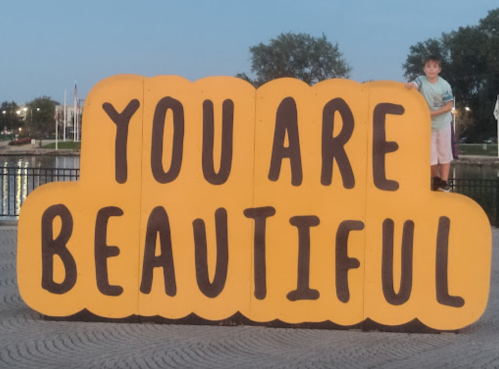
(208, 141)
(51, 247)
(158, 129)
(158, 223)
(303, 290)
(260, 216)
(442, 266)
(381, 147)
(333, 148)
(286, 121)
(201, 254)
(387, 263)
(103, 251)
(122, 120)
(343, 262)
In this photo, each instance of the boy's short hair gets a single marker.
(433, 58)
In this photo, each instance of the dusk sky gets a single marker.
(47, 45)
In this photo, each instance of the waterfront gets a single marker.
(475, 177)
(20, 175)
(459, 170)
(43, 161)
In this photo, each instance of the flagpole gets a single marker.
(75, 126)
(78, 118)
(64, 131)
(76, 122)
(56, 130)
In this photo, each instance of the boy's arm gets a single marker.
(411, 85)
(444, 109)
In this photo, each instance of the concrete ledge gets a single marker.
(476, 160)
(40, 152)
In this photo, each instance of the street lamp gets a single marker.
(4, 112)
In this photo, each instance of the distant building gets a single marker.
(65, 120)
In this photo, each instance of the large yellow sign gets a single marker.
(292, 203)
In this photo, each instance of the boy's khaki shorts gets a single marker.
(441, 146)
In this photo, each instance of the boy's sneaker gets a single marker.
(444, 186)
(435, 183)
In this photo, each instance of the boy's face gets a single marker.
(432, 69)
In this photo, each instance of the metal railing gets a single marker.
(17, 183)
(484, 191)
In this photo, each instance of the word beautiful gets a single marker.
(158, 224)
(318, 210)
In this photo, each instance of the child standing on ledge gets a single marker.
(438, 95)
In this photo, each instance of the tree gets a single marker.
(9, 117)
(415, 60)
(468, 67)
(470, 63)
(40, 117)
(299, 56)
(490, 24)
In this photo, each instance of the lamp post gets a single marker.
(40, 144)
(25, 114)
(464, 118)
(467, 111)
(5, 127)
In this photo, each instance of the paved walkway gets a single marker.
(29, 341)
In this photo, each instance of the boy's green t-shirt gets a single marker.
(437, 95)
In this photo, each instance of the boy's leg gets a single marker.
(444, 171)
(434, 171)
(444, 149)
(435, 177)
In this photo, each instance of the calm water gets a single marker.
(15, 189)
(463, 171)
(40, 161)
(16, 184)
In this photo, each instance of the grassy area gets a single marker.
(64, 145)
(478, 149)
